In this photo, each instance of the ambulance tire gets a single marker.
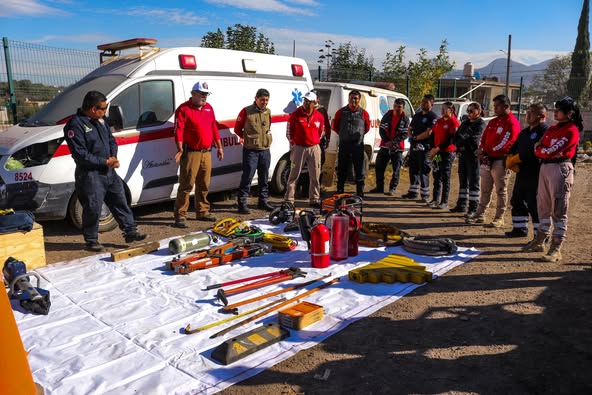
(280, 175)
(106, 223)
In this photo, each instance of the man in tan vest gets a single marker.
(253, 126)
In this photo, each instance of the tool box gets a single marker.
(300, 316)
(343, 201)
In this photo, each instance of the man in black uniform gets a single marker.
(522, 160)
(420, 136)
(94, 150)
(466, 139)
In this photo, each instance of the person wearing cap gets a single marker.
(393, 133)
(557, 151)
(195, 133)
(304, 131)
(351, 123)
(497, 139)
(523, 161)
(94, 150)
(253, 126)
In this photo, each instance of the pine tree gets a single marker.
(580, 59)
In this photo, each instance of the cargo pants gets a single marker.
(195, 170)
(555, 183)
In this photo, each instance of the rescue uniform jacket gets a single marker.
(304, 129)
(253, 125)
(444, 130)
(524, 147)
(499, 136)
(351, 125)
(196, 127)
(468, 135)
(394, 128)
(421, 122)
(91, 143)
(559, 143)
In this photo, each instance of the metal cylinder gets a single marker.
(190, 242)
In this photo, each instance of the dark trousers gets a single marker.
(93, 189)
(524, 200)
(383, 158)
(442, 177)
(419, 174)
(258, 160)
(468, 181)
(348, 154)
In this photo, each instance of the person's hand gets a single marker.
(433, 152)
(178, 155)
(220, 154)
(112, 162)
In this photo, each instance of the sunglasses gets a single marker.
(470, 111)
(101, 108)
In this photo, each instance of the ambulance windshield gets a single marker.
(67, 102)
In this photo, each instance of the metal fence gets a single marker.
(33, 74)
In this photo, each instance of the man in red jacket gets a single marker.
(305, 128)
(195, 133)
(496, 141)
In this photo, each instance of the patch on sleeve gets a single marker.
(70, 133)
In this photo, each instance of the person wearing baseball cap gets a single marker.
(195, 132)
(305, 128)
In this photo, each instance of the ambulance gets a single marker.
(143, 89)
(377, 101)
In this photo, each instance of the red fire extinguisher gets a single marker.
(339, 224)
(319, 246)
(354, 232)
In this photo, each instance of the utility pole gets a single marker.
(508, 66)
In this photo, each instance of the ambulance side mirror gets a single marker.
(115, 118)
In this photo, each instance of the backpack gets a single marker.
(12, 221)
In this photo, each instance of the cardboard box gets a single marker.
(28, 247)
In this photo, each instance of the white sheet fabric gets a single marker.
(116, 327)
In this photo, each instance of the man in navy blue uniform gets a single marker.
(420, 136)
(94, 150)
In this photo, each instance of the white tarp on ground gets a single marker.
(116, 327)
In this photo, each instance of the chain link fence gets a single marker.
(38, 73)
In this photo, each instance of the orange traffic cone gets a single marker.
(15, 373)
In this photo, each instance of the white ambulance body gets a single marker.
(377, 101)
(143, 91)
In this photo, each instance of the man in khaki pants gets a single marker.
(195, 133)
(497, 139)
(305, 128)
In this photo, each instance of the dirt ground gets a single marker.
(504, 323)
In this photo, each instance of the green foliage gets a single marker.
(424, 72)
(552, 84)
(351, 63)
(580, 59)
(29, 97)
(240, 38)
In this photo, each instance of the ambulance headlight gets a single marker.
(33, 155)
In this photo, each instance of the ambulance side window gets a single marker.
(146, 103)
(408, 108)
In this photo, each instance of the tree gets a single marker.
(552, 84)
(240, 38)
(350, 63)
(580, 59)
(423, 73)
(213, 39)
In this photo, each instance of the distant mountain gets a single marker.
(497, 68)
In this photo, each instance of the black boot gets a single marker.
(243, 209)
(517, 232)
(264, 205)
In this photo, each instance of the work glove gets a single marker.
(515, 168)
(512, 160)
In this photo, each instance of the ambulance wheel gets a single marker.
(280, 175)
(106, 223)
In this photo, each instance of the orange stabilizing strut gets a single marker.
(273, 278)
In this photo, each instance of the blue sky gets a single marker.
(475, 30)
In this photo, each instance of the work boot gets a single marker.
(517, 232)
(377, 190)
(206, 218)
(180, 223)
(497, 223)
(264, 205)
(459, 208)
(409, 195)
(442, 206)
(554, 253)
(432, 204)
(134, 236)
(475, 219)
(94, 246)
(538, 244)
(391, 192)
(243, 209)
